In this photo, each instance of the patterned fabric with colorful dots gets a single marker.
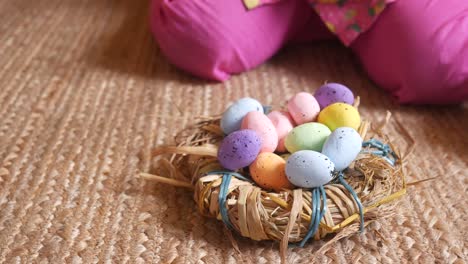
(345, 18)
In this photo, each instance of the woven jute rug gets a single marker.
(85, 95)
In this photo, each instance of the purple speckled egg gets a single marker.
(239, 149)
(331, 93)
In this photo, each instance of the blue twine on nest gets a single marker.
(318, 194)
(223, 192)
(319, 197)
(356, 198)
(383, 150)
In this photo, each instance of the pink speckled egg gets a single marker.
(303, 108)
(283, 123)
(261, 124)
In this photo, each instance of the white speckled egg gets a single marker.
(309, 169)
(342, 147)
(232, 118)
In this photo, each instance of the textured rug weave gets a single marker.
(85, 95)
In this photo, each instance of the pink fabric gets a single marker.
(416, 49)
(214, 39)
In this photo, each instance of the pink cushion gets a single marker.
(213, 38)
(418, 50)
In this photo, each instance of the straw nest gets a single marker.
(283, 216)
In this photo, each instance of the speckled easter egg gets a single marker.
(283, 124)
(268, 172)
(303, 108)
(331, 93)
(260, 123)
(340, 115)
(309, 169)
(232, 117)
(342, 147)
(308, 136)
(239, 149)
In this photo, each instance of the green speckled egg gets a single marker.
(308, 136)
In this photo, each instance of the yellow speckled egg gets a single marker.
(340, 115)
(268, 171)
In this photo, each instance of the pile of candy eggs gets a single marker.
(302, 146)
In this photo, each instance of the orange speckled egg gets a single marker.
(268, 171)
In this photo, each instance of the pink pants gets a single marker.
(417, 50)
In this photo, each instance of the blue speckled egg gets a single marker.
(232, 117)
(342, 147)
(309, 169)
(331, 93)
(239, 149)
